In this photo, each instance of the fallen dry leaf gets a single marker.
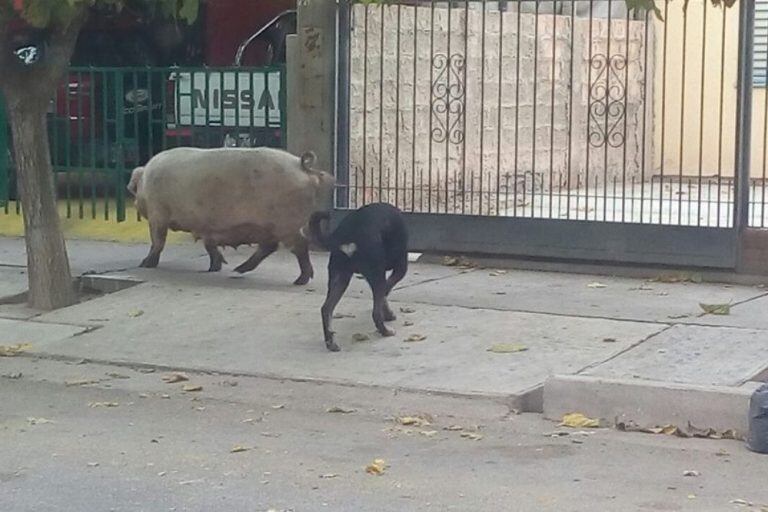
(415, 421)
(407, 310)
(79, 382)
(677, 317)
(578, 420)
(691, 472)
(237, 449)
(93, 464)
(14, 350)
(341, 410)
(329, 475)
(342, 315)
(103, 404)
(191, 387)
(415, 337)
(407, 323)
(471, 435)
(135, 313)
(453, 428)
(609, 340)
(716, 309)
(506, 348)
(278, 406)
(38, 421)
(597, 285)
(174, 378)
(377, 467)
(358, 336)
(428, 433)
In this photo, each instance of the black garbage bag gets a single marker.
(757, 439)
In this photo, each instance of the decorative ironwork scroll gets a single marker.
(607, 101)
(448, 97)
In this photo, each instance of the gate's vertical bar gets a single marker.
(744, 115)
(720, 121)
(431, 100)
(498, 113)
(552, 115)
(463, 114)
(343, 28)
(67, 141)
(624, 142)
(645, 116)
(120, 137)
(365, 112)
(92, 138)
(483, 6)
(397, 113)
(570, 114)
(606, 142)
(701, 113)
(80, 147)
(449, 7)
(588, 116)
(517, 117)
(413, 123)
(382, 29)
(535, 102)
(663, 114)
(5, 176)
(681, 154)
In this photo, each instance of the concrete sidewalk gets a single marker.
(597, 329)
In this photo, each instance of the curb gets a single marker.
(650, 403)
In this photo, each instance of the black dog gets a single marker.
(369, 241)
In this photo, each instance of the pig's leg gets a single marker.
(251, 263)
(215, 256)
(157, 233)
(301, 251)
(338, 281)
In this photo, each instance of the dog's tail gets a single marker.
(318, 228)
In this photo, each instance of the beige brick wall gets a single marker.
(397, 139)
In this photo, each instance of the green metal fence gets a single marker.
(103, 122)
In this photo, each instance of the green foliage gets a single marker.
(47, 13)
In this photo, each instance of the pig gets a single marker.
(231, 197)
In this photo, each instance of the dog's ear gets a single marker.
(304, 234)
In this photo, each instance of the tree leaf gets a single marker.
(507, 348)
(716, 309)
(578, 420)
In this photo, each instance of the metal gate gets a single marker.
(571, 129)
(103, 122)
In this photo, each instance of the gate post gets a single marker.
(311, 76)
(4, 171)
(743, 126)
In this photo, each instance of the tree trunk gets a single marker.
(50, 278)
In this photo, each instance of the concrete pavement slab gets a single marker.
(579, 295)
(692, 354)
(13, 281)
(277, 333)
(37, 334)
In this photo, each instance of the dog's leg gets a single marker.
(301, 250)
(215, 256)
(158, 234)
(337, 284)
(251, 263)
(378, 283)
(395, 277)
